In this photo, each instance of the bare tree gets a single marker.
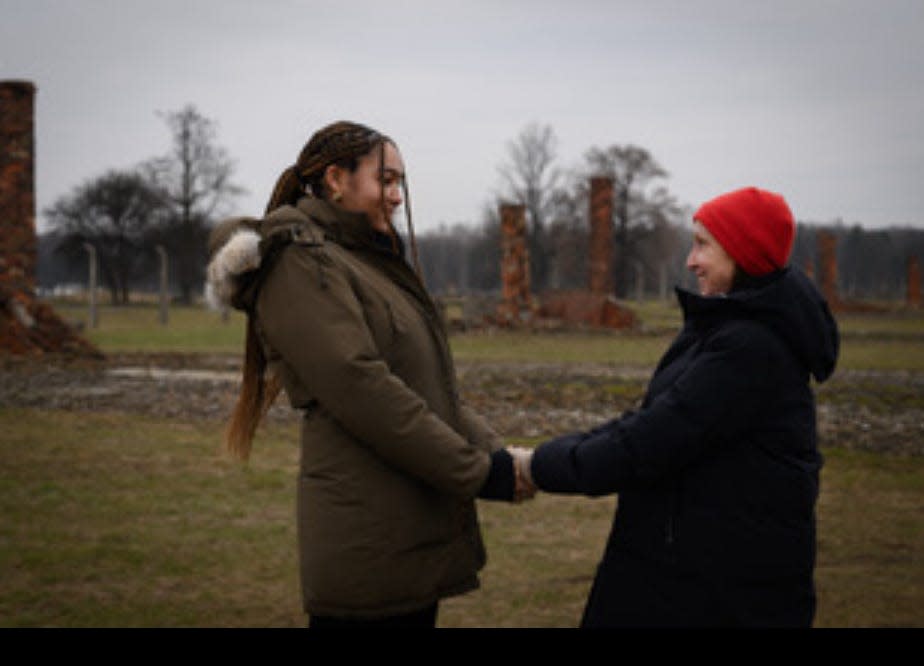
(632, 169)
(568, 236)
(530, 180)
(115, 213)
(197, 176)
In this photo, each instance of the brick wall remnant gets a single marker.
(827, 267)
(28, 327)
(517, 304)
(18, 245)
(914, 282)
(587, 308)
(600, 260)
(594, 307)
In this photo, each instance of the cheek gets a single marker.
(725, 274)
(363, 197)
(372, 194)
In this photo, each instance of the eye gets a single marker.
(390, 178)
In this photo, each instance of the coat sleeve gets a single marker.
(709, 406)
(478, 431)
(316, 324)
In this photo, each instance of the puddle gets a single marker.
(180, 375)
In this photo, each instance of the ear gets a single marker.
(335, 181)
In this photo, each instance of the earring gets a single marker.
(336, 196)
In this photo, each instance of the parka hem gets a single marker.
(393, 609)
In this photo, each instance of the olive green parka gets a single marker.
(391, 461)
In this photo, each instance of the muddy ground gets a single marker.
(875, 411)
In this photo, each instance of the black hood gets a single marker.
(790, 304)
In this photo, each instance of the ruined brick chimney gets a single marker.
(827, 261)
(18, 253)
(600, 261)
(914, 282)
(596, 306)
(517, 304)
(27, 326)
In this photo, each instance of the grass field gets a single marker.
(119, 521)
(893, 341)
(112, 519)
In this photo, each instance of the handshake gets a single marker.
(524, 487)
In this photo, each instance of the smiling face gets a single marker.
(374, 188)
(712, 265)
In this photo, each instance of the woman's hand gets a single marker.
(525, 488)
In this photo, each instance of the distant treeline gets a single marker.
(158, 215)
(872, 264)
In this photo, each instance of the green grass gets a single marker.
(137, 328)
(120, 521)
(114, 520)
(893, 340)
(871, 539)
(616, 348)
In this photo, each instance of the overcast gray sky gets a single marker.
(821, 100)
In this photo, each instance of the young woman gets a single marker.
(391, 461)
(717, 472)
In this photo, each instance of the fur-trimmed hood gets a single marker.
(234, 246)
(239, 246)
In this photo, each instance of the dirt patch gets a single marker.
(875, 411)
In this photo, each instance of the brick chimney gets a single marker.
(827, 260)
(517, 306)
(18, 253)
(600, 258)
(914, 282)
(28, 327)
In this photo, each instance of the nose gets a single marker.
(691, 260)
(393, 194)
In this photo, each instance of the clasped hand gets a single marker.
(524, 488)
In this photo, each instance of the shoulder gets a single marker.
(748, 344)
(243, 248)
(745, 334)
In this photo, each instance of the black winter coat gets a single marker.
(717, 472)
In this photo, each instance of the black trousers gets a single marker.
(422, 619)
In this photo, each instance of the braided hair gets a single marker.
(342, 143)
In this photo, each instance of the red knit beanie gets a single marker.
(754, 226)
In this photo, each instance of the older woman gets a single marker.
(717, 472)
